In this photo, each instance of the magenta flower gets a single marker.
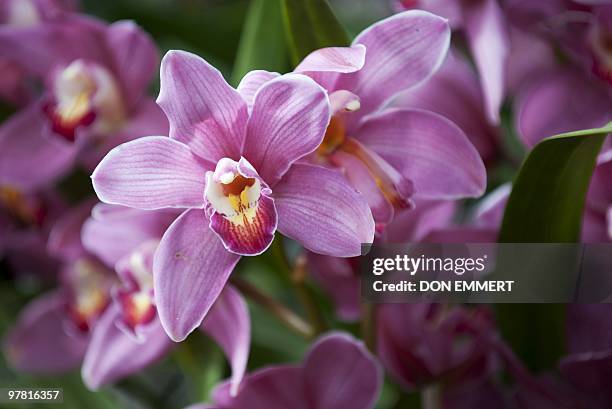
(94, 79)
(391, 154)
(338, 372)
(422, 343)
(129, 336)
(232, 168)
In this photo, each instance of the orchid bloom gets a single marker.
(129, 336)
(338, 372)
(421, 343)
(487, 34)
(53, 331)
(232, 170)
(94, 76)
(391, 155)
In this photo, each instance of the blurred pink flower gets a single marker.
(129, 336)
(95, 76)
(338, 372)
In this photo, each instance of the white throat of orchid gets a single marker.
(91, 292)
(22, 13)
(232, 194)
(241, 212)
(136, 295)
(85, 95)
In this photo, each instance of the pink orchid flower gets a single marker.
(129, 336)
(94, 78)
(337, 372)
(52, 332)
(390, 154)
(232, 169)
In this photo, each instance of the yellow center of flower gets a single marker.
(336, 139)
(234, 196)
(90, 289)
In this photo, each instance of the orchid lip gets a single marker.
(84, 95)
(90, 293)
(241, 213)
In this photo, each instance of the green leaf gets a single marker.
(548, 195)
(310, 25)
(546, 206)
(262, 43)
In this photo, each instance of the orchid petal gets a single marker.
(339, 372)
(413, 225)
(272, 388)
(151, 173)
(251, 82)
(39, 343)
(248, 237)
(23, 149)
(338, 278)
(361, 179)
(402, 52)
(427, 149)
(135, 58)
(66, 38)
(318, 208)
(114, 231)
(325, 64)
(454, 93)
(289, 118)
(204, 111)
(112, 354)
(229, 324)
(555, 103)
(190, 269)
(489, 43)
(65, 236)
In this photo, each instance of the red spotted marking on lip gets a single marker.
(137, 308)
(252, 236)
(66, 128)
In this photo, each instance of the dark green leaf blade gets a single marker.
(548, 195)
(546, 206)
(262, 42)
(310, 25)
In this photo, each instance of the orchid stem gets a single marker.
(281, 312)
(431, 397)
(297, 274)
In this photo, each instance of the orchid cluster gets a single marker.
(138, 233)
